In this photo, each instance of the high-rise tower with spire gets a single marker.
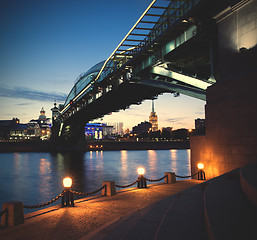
(153, 119)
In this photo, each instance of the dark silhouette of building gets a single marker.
(143, 127)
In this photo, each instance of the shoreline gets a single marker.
(48, 146)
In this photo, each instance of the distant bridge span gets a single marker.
(171, 48)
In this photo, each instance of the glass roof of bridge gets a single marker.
(83, 80)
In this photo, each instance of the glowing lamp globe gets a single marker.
(141, 171)
(67, 182)
(200, 166)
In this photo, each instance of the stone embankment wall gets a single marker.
(231, 108)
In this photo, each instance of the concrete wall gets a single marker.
(231, 109)
(231, 128)
(237, 29)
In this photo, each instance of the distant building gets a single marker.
(55, 113)
(97, 131)
(12, 129)
(199, 123)
(153, 119)
(143, 127)
(166, 132)
(199, 126)
(44, 124)
(117, 128)
(167, 129)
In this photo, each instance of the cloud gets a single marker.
(24, 104)
(31, 94)
(136, 114)
(176, 120)
(200, 113)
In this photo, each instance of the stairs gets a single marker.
(221, 208)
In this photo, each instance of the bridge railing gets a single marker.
(133, 44)
(172, 13)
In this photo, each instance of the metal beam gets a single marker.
(180, 77)
(137, 34)
(130, 31)
(156, 7)
(128, 45)
(140, 28)
(171, 87)
(153, 15)
(133, 40)
(150, 22)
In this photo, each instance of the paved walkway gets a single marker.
(92, 216)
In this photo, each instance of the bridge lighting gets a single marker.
(200, 166)
(67, 182)
(141, 171)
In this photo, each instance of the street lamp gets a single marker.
(141, 171)
(141, 179)
(67, 182)
(67, 198)
(201, 173)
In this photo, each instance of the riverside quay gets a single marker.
(205, 49)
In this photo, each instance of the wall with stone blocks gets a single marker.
(231, 128)
(231, 107)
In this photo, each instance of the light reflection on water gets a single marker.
(36, 178)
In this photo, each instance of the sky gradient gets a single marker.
(46, 45)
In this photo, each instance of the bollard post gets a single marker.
(171, 177)
(141, 182)
(67, 198)
(110, 188)
(68, 195)
(14, 215)
(201, 175)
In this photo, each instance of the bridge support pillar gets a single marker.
(230, 112)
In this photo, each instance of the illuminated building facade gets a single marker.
(44, 124)
(153, 119)
(97, 131)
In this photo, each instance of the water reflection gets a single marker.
(152, 164)
(35, 178)
(124, 158)
(173, 160)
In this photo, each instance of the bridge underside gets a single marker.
(180, 61)
(120, 98)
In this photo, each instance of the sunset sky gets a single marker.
(45, 45)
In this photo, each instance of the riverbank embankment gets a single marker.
(90, 215)
(48, 146)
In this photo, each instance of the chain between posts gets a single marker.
(126, 186)
(156, 180)
(3, 212)
(150, 180)
(55, 199)
(98, 190)
(187, 176)
(45, 204)
(89, 193)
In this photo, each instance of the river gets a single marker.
(35, 178)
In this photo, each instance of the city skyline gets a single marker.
(46, 46)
